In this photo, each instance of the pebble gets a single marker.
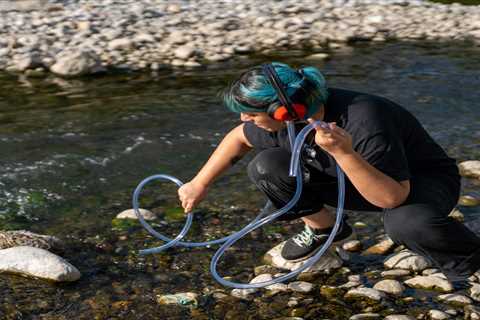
(381, 248)
(454, 298)
(130, 214)
(430, 283)
(390, 286)
(438, 315)
(470, 168)
(365, 293)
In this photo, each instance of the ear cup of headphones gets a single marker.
(279, 112)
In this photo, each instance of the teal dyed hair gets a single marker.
(252, 92)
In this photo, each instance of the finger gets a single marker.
(319, 125)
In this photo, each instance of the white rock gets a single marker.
(365, 293)
(399, 317)
(475, 292)
(438, 315)
(406, 260)
(365, 316)
(430, 283)
(327, 262)
(390, 286)
(300, 286)
(318, 56)
(395, 273)
(455, 298)
(37, 263)
(130, 214)
(76, 63)
(121, 44)
(352, 246)
(470, 168)
(184, 52)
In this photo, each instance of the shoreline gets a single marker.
(84, 37)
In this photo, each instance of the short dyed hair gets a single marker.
(252, 91)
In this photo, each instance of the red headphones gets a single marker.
(283, 109)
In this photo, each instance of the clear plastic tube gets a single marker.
(258, 222)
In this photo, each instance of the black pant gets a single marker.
(421, 223)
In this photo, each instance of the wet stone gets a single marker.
(438, 315)
(365, 316)
(381, 248)
(182, 299)
(300, 286)
(470, 168)
(130, 214)
(395, 273)
(369, 293)
(456, 299)
(406, 260)
(352, 246)
(430, 283)
(475, 292)
(17, 238)
(399, 317)
(390, 286)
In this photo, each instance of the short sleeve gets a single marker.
(259, 138)
(385, 151)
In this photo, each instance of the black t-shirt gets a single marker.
(385, 134)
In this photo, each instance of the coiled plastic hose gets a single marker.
(259, 221)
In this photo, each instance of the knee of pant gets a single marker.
(408, 222)
(269, 163)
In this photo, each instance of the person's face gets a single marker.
(262, 120)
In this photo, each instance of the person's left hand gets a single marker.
(333, 139)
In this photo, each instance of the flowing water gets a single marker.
(72, 151)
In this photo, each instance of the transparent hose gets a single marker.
(258, 222)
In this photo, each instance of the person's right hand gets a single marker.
(190, 194)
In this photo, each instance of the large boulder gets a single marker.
(37, 263)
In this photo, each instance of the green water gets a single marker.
(72, 151)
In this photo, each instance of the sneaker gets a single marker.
(306, 243)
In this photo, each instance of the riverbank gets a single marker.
(73, 38)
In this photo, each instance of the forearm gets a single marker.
(229, 151)
(375, 186)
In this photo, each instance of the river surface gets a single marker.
(72, 151)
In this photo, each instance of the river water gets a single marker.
(72, 151)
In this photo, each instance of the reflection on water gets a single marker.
(72, 150)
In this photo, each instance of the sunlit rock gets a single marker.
(37, 263)
(430, 283)
(408, 260)
(130, 214)
(390, 286)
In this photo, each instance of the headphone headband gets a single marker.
(277, 84)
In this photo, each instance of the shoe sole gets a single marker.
(334, 244)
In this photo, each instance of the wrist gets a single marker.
(199, 182)
(341, 157)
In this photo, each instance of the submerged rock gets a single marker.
(365, 316)
(390, 286)
(130, 214)
(17, 238)
(456, 299)
(430, 283)
(369, 293)
(438, 315)
(407, 260)
(182, 299)
(330, 260)
(37, 263)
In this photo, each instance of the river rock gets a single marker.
(130, 214)
(182, 299)
(121, 44)
(37, 263)
(395, 273)
(352, 246)
(399, 317)
(300, 286)
(406, 259)
(457, 215)
(383, 247)
(468, 201)
(472, 312)
(184, 52)
(454, 298)
(438, 315)
(365, 316)
(17, 238)
(475, 292)
(363, 292)
(327, 262)
(76, 63)
(430, 283)
(390, 286)
(470, 168)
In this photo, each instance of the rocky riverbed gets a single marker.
(72, 38)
